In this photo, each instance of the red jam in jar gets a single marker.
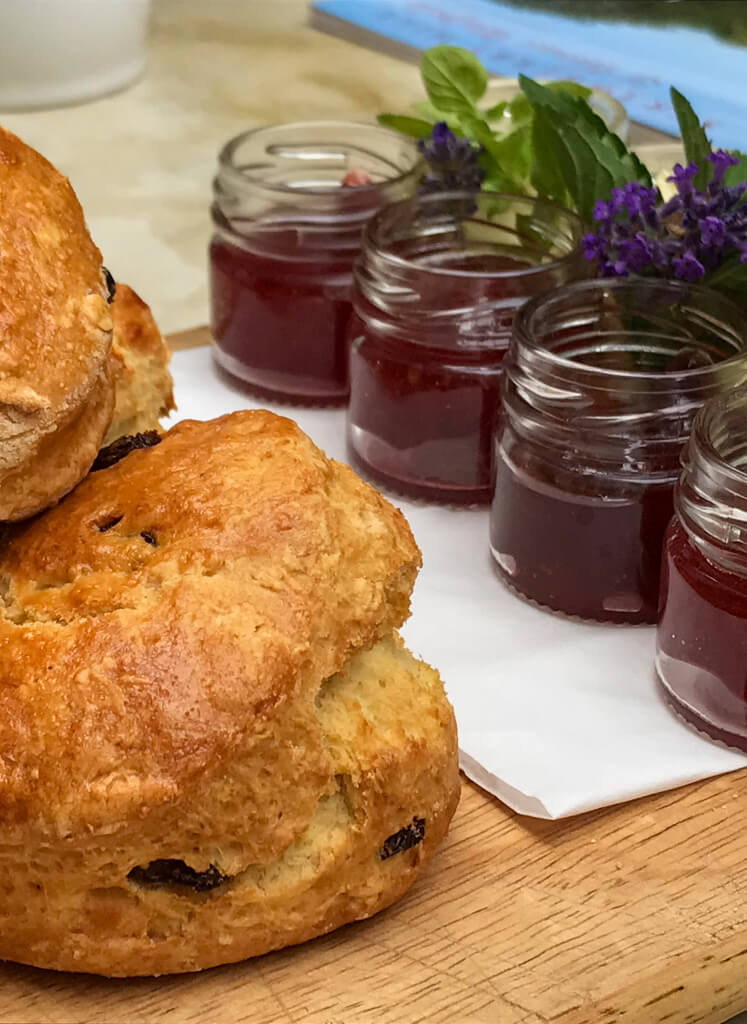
(601, 384)
(437, 285)
(289, 205)
(701, 644)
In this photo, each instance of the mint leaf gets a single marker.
(520, 110)
(694, 139)
(737, 174)
(504, 158)
(427, 111)
(513, 153)
(577, 159)
(543, 96)
(730, 276)
(574, 89)
(621, 162)
(496, 112)
(550, 167)
(454, 78)
(588, 156)
(413, 126)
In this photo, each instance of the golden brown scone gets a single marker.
(212, 742)
(56, 391)
(143, 384)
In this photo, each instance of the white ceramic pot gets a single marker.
(54, 52)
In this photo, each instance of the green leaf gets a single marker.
(454, 78)
(593, 177)
(495, 113)
(504, 160)
(432, 115)
(577, 159)
(737, 174)
(730, 276)
(413, 126)
(550, 168)
(514, 153)
(574, 89)
(621, 162)
(543, 96)
(521, 110)
(694, 139)
(427, 111)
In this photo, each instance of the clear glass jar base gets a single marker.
(294, 393)
(703, 700)
(505, 573)
(439, 492)
(715, 728)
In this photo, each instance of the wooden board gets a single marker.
(631, 915)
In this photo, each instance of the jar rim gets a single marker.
(391, 211)
(712, 425)
(711, 494)
(524, 330)
(227, 152)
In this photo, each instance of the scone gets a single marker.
(212, 741)
(143, 384)
(56, 389)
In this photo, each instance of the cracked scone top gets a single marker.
(212, 741)
(56, 391)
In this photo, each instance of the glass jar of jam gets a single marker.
(601, 384)
(701, 643)
(289, 203)
(437, 285)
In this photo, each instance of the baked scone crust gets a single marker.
(55, 335)
(143, 384)
(170, 635)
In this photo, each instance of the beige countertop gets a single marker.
(142, 161)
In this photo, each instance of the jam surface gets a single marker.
(423, 406)
(574, 551)
(702, 640)
(281, 323)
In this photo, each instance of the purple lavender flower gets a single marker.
(712, 232)
(686, 237)
(688, 267)
(721, 161)
(683, 177)
(602, 211)
(452, 162)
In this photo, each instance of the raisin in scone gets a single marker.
(56, 388)
(212, 740)
(143, 384)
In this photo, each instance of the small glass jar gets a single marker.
(437, 285)
(602, 381)
(701, 644)
(287, 229)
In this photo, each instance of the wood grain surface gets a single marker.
(634, 914)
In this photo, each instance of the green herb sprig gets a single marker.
(547, 140)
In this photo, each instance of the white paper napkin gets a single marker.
(555, 717)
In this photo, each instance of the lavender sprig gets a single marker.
(452, 163)
(689, 236)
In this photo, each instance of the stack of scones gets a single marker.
(213, 742)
